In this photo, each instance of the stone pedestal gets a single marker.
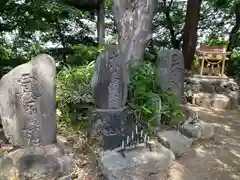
(138, 164)
(35, 163)
(109, 127)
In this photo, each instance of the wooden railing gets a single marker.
(215, 57)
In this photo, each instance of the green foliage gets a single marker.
(81, 55)
(74, 95)
(234, 65)
(147, 102)
(214, 40)
(148, 105)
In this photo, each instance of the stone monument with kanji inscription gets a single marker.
(28, 113)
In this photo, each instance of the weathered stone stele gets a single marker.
(170, 72)
(108, 124)
(27, 103)
(110, 79)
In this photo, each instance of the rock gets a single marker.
(212, 85)
(170, 72)
(5, 147)
(202, 99)
(214, 101)
(220, 102)
(43, 162)
(28, 104)
(234, 96)
(65, 178)
(197, 129)
(110, 79)
(175, 141)
(139, 163)
(63, 143)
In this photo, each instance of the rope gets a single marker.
(214, 63)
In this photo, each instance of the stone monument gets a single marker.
(28, 113)
(109, 84)
(170, 72)
(128, 152)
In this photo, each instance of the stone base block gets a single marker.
(35, 163)
(175, 141)
(138, 164)
(199, 130)
(109, 127)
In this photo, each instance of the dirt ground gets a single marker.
(216, 159)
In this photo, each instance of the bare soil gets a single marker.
(215, 159)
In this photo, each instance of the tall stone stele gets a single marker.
(28, 103)
(109, 84)
(28, 113)
(170, 73)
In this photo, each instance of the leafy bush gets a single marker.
(82, 55)
(74, 94)
(147, 102)
(234, 65)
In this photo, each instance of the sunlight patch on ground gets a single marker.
(200, 152)
(234, 176)
(235, 153)
(176, 171)
(224, 165)
(225, 127)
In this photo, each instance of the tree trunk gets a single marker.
(133, 20)
(234, 34)
(190, 31)
(101, 22)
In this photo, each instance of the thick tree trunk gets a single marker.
(190, 31)
(101, 22)
(133, 20)
(235, 34)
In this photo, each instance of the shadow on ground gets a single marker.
(215, 159)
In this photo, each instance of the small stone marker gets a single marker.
(27, 103)
(170, 72)
(197, 129)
